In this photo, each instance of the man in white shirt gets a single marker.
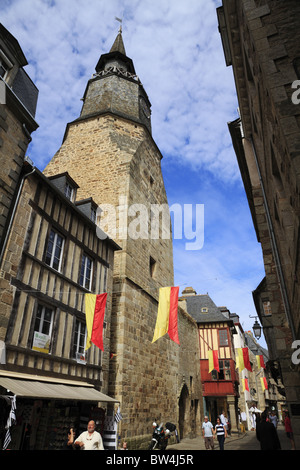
(207, 430)
(90, 439)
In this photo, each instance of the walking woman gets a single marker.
(221, 433)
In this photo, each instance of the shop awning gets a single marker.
(53, 391)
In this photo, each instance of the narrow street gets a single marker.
(245, 441)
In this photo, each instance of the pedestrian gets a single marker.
(266, 434)
(207, 430)
(244, 421)
(90, 439)
(221, 433)
(69, 444)
(224, 420)
(124, 446)
(288, 429)
(273, 419)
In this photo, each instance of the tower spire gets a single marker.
(118, 45)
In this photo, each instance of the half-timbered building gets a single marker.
(52, 258)
(215, 330)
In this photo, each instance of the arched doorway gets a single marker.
(183, 412)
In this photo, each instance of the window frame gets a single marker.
(225, 370)
(83, 275)
(223, 343)
(53, 251)
(77, 347)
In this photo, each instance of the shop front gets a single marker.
(42, 411)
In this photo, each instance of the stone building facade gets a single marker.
(110, 152)
(18, 100)
(261, 41)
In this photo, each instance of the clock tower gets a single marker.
(110, 153)
(116, 88)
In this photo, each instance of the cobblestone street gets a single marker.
(245, 441)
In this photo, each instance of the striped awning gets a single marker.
(55, 391)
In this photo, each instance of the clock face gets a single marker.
(145, 108)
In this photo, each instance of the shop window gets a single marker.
(54, 250)
(86, 272)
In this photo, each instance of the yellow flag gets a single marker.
(240, 359)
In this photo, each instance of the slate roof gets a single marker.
(195, 305)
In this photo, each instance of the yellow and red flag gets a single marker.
(94, 313)
(264, 383)
(167, 314)
(213, 360)
(242, 359)
(245, 385)
(260, 361)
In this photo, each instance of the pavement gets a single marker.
(237, 441)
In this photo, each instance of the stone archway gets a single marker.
(184, 409)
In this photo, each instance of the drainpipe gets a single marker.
(13, 212)
(275, 250)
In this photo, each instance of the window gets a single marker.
(224, 374)
(5, 65)
(43, 329)
(223, 338)
(69, 191)
(3, 68)
(152, 266)
(93, 214)
(85, 279)
(54, 250)
(204, 310)
(43, 321)
(78, 350)
(267, 307)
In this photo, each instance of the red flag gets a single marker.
(173, 318)
(246, 359)
(245, 384)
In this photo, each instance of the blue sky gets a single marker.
(178, 56)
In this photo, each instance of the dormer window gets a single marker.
(89, 208)
(5, 65)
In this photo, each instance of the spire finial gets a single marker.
(120, 21)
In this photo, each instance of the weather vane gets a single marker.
(120, 21)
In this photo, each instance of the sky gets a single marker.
(177, 53)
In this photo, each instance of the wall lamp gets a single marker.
(257, 328)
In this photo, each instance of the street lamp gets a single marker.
(256, 328)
